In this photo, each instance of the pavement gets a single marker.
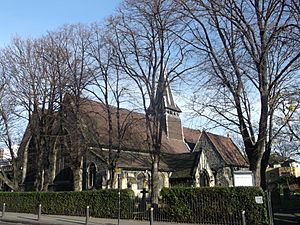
(28, 219)
(11, 218)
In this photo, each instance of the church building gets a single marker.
(189, 157)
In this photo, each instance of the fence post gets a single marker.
(243, 217)
(119, 198)
(39, 211)
(87, 215)
(3, 210)
(151, 215)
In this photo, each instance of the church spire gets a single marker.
(169, 102)
(173, 127)
(168, 108)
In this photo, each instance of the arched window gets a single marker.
(92, 175)
(204, 179)
(140, 181)
(161, 181)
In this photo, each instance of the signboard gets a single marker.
(259, 199)
(243, 178)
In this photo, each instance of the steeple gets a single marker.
(165, 104)
(169, 102)
(173, 126)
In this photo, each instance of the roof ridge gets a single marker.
(219, 135)
(112, 106)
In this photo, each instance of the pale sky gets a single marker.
(33, 18)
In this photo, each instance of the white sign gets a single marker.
(243, 178)
(259, 199)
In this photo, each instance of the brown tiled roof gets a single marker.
(134, 136)
(191, 135)
(130, 160)
(227, 150)
(142, 161)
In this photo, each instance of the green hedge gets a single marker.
(218, 204)
(103, 203)
(192, 205)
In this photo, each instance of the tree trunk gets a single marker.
(155, 180)
(46, 180)
(24, 162)
(264, 165)
(77, 176)
(255, 160)
(112, 178)
(257, 177)
(53, 161)
(263, 183)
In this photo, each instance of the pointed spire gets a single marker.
(170, 111)
(173, 125)
(169, 101)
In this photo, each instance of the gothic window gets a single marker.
(141, 178)
(161, 181)
(92, 175)
(204, 179)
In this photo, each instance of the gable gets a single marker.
(222, 150)
(206, 148)
(227, 150)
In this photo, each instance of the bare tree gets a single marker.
(108, 87)
(148, 51)
(11, 177)
(250, 54)
(34, 88)
(74, 40)
(287, 143)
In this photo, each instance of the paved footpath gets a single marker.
(23, 218)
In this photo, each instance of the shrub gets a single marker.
(218, 204)
(103, 203)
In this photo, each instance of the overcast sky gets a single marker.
(33, 18)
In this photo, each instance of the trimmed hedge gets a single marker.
(103, 203)
(218, 204)
(191, 205)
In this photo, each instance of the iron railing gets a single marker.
(195, 211)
